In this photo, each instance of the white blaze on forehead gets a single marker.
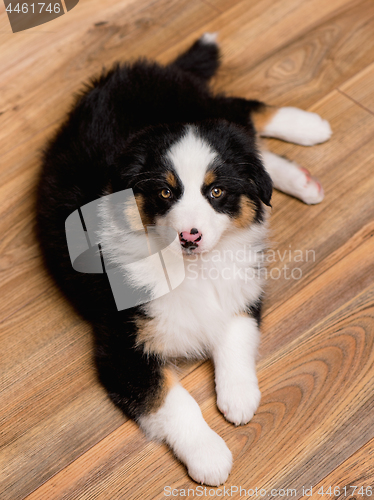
(191, 156)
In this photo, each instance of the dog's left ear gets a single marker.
(264, 185)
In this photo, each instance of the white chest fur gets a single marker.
(218, 285)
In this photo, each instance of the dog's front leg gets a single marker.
(234, 357)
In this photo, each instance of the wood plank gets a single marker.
(312, 63)
(323, 379)
(343, 419)
(360, 88)
(252, 30)
(346, 176)
(130, 30)
(222, 5)
(52, 406)
(348, 479)
(20, 261)
(340, 283)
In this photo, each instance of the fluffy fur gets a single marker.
(193, 163)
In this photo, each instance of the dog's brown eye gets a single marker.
(216, 192)
(165, 193)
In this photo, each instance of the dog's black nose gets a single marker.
(194, 230)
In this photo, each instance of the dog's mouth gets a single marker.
(192, 250)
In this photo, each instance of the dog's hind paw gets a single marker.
(292, 179)
(298, 126)
(308, 188)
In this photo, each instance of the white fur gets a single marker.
(219, 284)
(234, 356)
(298, 126)
(292, 179)
(180, 424)
(191, 156)
(130, 251)
(209, 38)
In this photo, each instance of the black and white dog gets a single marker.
(194, 164)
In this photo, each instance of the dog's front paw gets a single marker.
(208, 459)
(239, 402)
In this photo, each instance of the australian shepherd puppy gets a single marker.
(193, 163)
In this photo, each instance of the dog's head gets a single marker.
(201, 180)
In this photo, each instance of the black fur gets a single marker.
(101, 146)
(201, 60)
(255, 311)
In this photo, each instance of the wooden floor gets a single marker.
(61, 438)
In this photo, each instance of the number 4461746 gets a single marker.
(346, 490)
(34, 7)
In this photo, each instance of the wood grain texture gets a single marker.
(28, 105)
(347, 177)
(360, 88)
(299, 420)
(61, 438)
(250, 31)
(352, 477)
(316, 61)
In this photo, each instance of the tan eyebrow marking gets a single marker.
(209, 178)
(170, 179)
(140, 207)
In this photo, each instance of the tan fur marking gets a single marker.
(140, 204)
(209, 178)
(169, 379)
(131, 212)
(171, 180)
(243, 314)
(263, 117)
(147, 336)
(247, 213)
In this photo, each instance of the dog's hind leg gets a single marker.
(291, 125)
(297, 126)
(202, 59)
(179, 423)
(292, 179)
(147, 390)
